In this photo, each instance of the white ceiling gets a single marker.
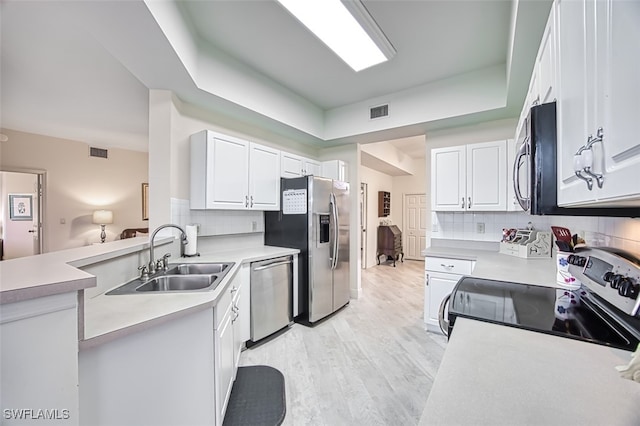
(82, 70)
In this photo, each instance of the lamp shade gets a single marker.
(102, 217)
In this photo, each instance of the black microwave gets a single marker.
(535, 172)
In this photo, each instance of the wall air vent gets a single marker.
(379, 111)
(98, 152)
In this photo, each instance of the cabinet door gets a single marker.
(575, 74)
(225, 367)
(487, 176)
(448, 191)
(618, 97)
(546, 63)
(264, 178)
(437, 287)
(312, 168)
(227, 173)
(291, 165)
(335, 169)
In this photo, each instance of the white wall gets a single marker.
(77, 184)
(376, 181)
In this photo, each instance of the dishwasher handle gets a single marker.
(272, 265)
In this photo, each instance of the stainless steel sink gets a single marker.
(178, 283)
(180, 278)
(196, 268)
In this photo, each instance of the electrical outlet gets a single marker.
(480, 227)
(254, 226)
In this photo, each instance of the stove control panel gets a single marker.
(612, 274)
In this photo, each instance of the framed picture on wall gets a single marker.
(20, 206)
(145, 201)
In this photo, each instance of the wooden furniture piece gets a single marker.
(384, 203)
(390, 243)
(133, 232)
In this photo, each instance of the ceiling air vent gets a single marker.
(379, 111)
(98, 152)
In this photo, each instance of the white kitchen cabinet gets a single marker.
(469, 177)
(336, 170)
(231, 332)
(599, 64)
(39, 353)
(232, 173)
(441, 275)
(293, 165)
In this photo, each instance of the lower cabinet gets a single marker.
(39, 354)
(179, 372)
(441, 275)
(231, 319)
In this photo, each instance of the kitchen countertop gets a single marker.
(113, 316)
(497, 375)
(57, 272)
(502, 267)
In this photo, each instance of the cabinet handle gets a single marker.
(252, 201)
(588, 157)
(469, 205)
(246, 201)
(233, 290)
(462, 203)
(447, 267)
(426, 280)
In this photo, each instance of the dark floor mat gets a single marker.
(257, 397)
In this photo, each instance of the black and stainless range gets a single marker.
(605, 309)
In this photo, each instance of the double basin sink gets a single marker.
(184, 277)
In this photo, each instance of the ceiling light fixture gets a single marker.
(346, 27)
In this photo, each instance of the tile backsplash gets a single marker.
(622, 233)
(217, 222)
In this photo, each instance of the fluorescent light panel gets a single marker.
(337, 27)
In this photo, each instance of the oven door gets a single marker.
(522, 167)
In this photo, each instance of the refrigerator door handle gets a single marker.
(335, 246)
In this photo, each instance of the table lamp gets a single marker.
(102, 218)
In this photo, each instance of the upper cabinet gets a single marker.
(336, 170)
(295, 166)
(232, 173)
(469, 177)
(599, 100)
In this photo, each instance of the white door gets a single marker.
(487, 176)
(227, 173)
(20, 204)
(264, 178)
(448, 171)
(363, 225)
(415, 225)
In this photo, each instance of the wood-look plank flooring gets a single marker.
(370, 364)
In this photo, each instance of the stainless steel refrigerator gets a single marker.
(314, 218)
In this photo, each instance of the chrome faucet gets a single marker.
(183, 241)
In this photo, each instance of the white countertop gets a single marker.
(110, 316)
(57, 272)
(502, 267)
(498, 375)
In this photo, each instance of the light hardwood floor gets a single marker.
(370, 364)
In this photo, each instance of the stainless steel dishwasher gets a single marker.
(271, 296)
